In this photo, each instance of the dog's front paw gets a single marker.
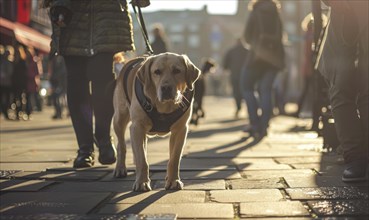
(120, 172)
(141, 186)
(174, 185)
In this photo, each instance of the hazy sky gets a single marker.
(214, 6)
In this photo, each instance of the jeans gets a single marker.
(260, 80)
(85, 102)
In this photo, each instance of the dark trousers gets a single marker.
(346, 44)
(85, 102)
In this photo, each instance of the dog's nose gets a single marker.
(166, 92)
(166, 89)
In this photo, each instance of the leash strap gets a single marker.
(142, 25)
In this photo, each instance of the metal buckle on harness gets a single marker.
(147, 106)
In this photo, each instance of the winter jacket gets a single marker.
(264, 19)
(93, 26)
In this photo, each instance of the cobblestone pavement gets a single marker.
(226, 175)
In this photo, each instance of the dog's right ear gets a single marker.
(143, 72)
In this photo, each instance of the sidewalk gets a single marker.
(225, 175)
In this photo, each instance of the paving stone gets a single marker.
(69, 175)
(323, 168)
(263, 166)
(265, 174)
(340, 207)
(131, 176)
(199, 162)
(125, 186)
(196, 184)
(89, 217)
(49, 202)
(327, 193)
(41, 156)
(24, 186)
(31, 166)
(273, 209)
(183, 210)
(167, 196)
(310, 159)
(206, 174)
(193, 167)
(7, 173)
(273, 183)
(319, 181)
(245, 195)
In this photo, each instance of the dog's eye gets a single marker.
(176, 71)
(157, 72)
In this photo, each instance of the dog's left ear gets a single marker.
(192, 72)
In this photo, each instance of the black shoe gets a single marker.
(107, 152)
(84, 159)
(355, 171)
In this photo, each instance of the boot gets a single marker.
(85, 158)
(107, 151)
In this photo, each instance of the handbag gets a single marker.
(267, 49)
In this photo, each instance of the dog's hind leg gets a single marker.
(176, 144)
(120, 122)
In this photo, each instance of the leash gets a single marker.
(141, 22)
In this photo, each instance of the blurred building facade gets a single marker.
(196, 33)
(25, 22)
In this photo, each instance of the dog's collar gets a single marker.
(162, 121)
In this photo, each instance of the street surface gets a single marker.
(226, 175)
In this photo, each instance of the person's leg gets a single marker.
(363, 68)
(79, 103)
(248, 81)
(266, 104)
(99, 70)
(237, 95)
(344, 84)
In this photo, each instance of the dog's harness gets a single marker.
(161, 121)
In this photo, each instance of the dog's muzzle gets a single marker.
(167, 93)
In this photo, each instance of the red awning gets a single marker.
(26, 35)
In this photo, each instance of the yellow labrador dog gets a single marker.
(155, 93)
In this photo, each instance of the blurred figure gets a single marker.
(307, 70)
(160, 42)
(234, 59)
(19, 82)
(6, 71)
(263, 33)
(58, 81)
(344, 63)
(33, 82)
(88, 34)
(200, 88)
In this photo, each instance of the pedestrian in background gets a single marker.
(6, 71)
(263, 33)
(58, 81)
(19, 82)
(33, 82)
(344, 63)
(233, 61)
(88, 34)
(160, 42)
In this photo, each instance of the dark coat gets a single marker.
(264, 19)
(234, 61)
(94, 26)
